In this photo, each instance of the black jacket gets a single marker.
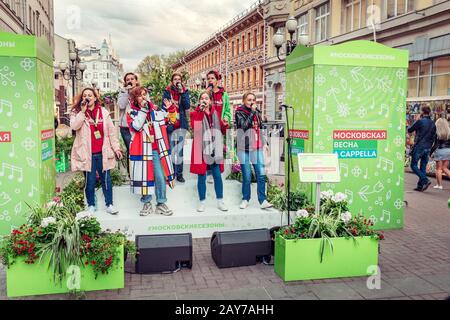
(425, 133)
(440, 144)
(243, 119)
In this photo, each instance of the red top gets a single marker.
(96, 125)
(217, 98)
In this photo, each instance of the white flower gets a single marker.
(346, 217)
(302, 214)
(339, 197)
(84, 215)
(327, 194)
(47, 221)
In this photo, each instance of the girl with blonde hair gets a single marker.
(441, 151)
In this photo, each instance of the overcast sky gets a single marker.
(142, 27)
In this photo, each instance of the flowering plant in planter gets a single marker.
(333, 221)
(54, 233)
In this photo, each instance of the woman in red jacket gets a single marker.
(207, 149)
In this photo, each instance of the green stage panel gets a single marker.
(24, 280)
(298, 260)
(27, 146)
(354, 106)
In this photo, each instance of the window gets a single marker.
(243, 43)
(237, 47)
(232, 81)
(254, 84)
(261, 36)
(261, 76)
(249, 41)
(354, 12)
(242, 79)
(429, 78)
(322, 22)
(255, 38)
(398, 7)
(302, 24)
(232, 48)
(94, 66)
(95, 75)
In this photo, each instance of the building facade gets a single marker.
(63, 87)
(420, 26)
(237, 51)
(104, 70)
(32, 17)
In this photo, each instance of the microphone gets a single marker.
(283, 106)
(211, 86)
(86, 101)
(129, 85)
(202, 106)
(179, 86)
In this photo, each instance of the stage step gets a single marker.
(183, 200)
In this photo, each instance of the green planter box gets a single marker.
(297, 260)
(33, 280)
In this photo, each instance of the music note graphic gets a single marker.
(33, 189)
(30, 125)
(389, 195)
(321, 104)
(319, 130)
(399, 181)
(12, 154)
(329, 119)
(366, 176)
(344, 169)
(4, 199)
(18, 208)
(13, 171)
(387, 164)
(350, 196)
(372, 106)
(6, 104)
(387, 148)
(31, 162)
(386, 216)
(384, 108)
(350, 94)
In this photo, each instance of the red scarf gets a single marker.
(97, 144)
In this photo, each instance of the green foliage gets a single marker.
(278, 197)
(73, 195)
(64, 145)
(333, 221)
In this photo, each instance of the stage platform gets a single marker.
(183, 200)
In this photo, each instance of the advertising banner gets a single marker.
(27, 169)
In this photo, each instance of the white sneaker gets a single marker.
(91, 209)
(146, 210)
(112, 210)
(438, 187)
(201, 207)
(266, 205)
(221, 205)
(210, 179)
(244, 204)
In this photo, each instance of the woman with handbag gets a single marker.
(441, 151)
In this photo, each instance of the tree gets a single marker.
(156, 71)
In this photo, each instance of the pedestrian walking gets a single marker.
(207, 149)
(96, 146)
(150, 162)
(176, 101)
(425, 130)
(441, 151)
(250, 146)
(123, 100)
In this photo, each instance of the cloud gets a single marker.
(143, 27)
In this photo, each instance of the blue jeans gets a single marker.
(91, 179)
(422, 155)
(160, 181)
(126, 136)
(247, 159)
(218, 183)
(177, 152)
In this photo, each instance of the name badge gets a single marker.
(97, 135)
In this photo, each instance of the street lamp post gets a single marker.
(75, 70)
(291, 44)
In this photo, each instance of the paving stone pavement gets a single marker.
(414, 262)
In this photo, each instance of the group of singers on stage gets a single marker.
(154, 138)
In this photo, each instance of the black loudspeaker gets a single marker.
(163, 253)
(240, 248)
